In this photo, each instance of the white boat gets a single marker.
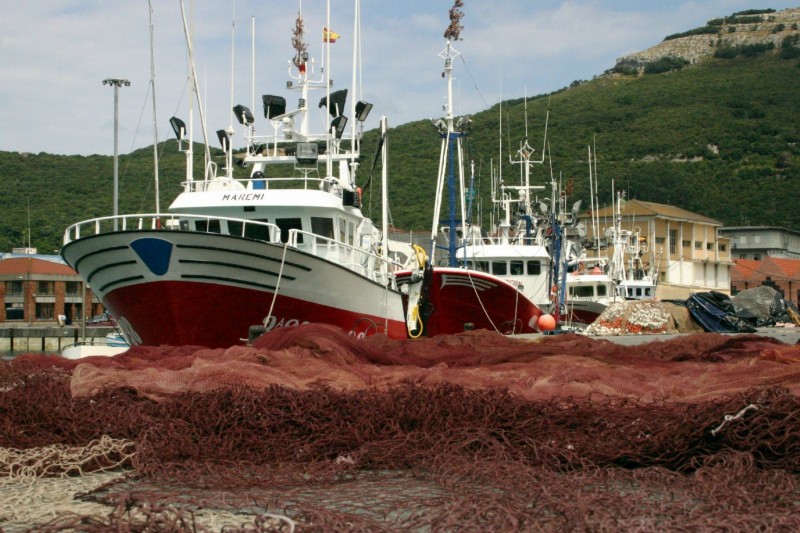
(482, 284)
(633, 281)
(113, 344)
(284, 245)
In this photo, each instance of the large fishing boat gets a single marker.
(480, 284)
(285, 244)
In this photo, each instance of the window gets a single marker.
(15, 312)
(660, 240)
(742, 256)
(73, 288)
(44, 288)
(601, 290)
(756, 257)
(287, 224)
(209, 226)
(499, 268)
(673, 241)
(44, 311)
(534, 268)
(235, 228)
(710, 246)
(698, 245)
(257, 231)
(687, 244)
(722, 247)
(582, 291)
(322, 227)
(13, 288)
(517, 268)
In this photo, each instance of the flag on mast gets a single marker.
(329, 36)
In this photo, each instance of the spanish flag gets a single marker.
(329, 36)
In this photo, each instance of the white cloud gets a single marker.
(53, 59)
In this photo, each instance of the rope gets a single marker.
(477, 295)
(277, 285)
(737, 416)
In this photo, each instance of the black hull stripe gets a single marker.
(101, 251)
(228, 280)
(119, 282)
(94, 272)
(239, 267)
(239, 252)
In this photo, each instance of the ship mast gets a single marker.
(451, 132)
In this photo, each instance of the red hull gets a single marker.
(460, 300)
(218, 316)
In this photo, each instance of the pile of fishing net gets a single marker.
(312, 430)
(643, 317)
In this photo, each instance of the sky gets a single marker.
(54, 56)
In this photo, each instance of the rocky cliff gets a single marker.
(740, 29)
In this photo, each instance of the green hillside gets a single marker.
(719, 139)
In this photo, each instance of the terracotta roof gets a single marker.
(789, 267)
(638, 208)
(774, 267)
(745, 268)
(31, 265)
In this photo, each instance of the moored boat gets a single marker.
(284, 245)
(480, 284)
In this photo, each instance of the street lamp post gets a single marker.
(116, 83)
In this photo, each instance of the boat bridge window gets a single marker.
(322, 226)
(347, 230)
(209, 226)
(601, 290)
(286, 224)
(582, 291)
(499, 268)
(517, 268)
(251, 231)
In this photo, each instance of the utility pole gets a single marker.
(116, 83)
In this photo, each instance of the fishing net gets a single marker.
(312, 430)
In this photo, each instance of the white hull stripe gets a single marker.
(467, 281)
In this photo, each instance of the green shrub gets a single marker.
(665, 64)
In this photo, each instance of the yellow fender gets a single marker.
(422, 257)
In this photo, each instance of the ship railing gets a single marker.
(364, 262)
(258, 185)
(252, 229)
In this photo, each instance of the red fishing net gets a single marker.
(312, 430)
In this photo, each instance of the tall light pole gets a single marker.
(116, 83)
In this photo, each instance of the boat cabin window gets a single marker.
(286, 224)
(480, 266)
(582, 291)
(323, 227)
(346, 231)
(601, 290)
(534, 268)
(499, 268)
(249, 231)
(517, 268)
(209, 226)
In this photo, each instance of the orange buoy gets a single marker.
(546, 322)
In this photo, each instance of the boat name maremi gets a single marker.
(244, 196)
